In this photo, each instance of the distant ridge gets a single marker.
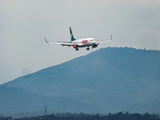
(106, 80)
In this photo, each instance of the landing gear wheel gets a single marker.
(77, 49)
(87, 48)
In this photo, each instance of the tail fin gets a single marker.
(71, 34)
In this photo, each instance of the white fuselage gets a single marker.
(84, 42)
(76, 43)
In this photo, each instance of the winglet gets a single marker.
(111, 37)
(46, 40)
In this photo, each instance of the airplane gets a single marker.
(77, 43)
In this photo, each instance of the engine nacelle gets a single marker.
(94, 45)
(75, 46)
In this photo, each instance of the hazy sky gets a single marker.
(25, 23)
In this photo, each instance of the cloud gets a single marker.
(103, 3)
(25, 23)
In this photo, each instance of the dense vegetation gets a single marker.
(106, 80)
(83, 116)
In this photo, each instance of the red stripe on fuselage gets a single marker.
(84, 41)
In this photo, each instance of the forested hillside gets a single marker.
(106, 80)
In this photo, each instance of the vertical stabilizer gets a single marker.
(71, 34)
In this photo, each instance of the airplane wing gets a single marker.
(60, 43)
(105, 41)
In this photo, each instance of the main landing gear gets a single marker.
(87, 48)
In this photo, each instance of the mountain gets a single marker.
(16, 100)
(106, 80)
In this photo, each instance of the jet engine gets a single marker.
(75, 46)
(94, 45)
